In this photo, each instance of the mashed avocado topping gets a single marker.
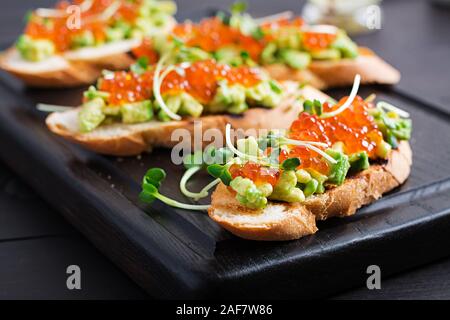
(168, 93)
(102, 21)
(283, 167)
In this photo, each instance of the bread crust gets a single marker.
(357, 191)
(129, 140)
(73, 74)
(326, 74)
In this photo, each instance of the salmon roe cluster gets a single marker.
(200, 79)
(354, 127)
(56, 30)
(315, 41)
(255, 172)
(212, 34)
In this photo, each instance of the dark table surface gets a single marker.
(37, 244)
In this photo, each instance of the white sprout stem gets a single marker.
(274, 17)
(317, 150)
(110, 11)
(186, 176)
(50, 13)
(348, 102)
(86, 5)
(157, 82)
(181, 205)
(320, 28)
(52, 108)
(233, 149)
(390, 107)
(210, 185)
(107, 14)
(314, 143)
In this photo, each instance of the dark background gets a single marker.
(37, 245)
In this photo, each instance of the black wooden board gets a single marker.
(178, 254)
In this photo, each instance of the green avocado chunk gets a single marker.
(86, 39)
(229, 55)
(359, 162)
(229, 98)
(33, 49)
(183, 104)
(268, 55)
(137, 112)
(338, 171)
(326, 54)
(249, 194)
(345, 45)
(286, 188)
(91, 115)
(265, 94)
(295, 59)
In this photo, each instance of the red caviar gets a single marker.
(255, 172)
(212, 34)
(200, 79)
(354, 127)
(56, 30)
(315, 41)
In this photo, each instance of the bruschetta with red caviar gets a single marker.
(130, 112)
(70, 44)
(335, 158)
(289, 49)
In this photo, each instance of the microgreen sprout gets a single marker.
(150, 191)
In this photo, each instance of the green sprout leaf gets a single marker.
(220, 172)
(150, 191)
(154, 177)
(140, 66)
(245, 55)
(313, 107)
(290, 164)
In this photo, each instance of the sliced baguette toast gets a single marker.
(326, 74)
(288, 221)
(133, 139)
(73, 68)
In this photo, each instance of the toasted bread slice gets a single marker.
(326, 74)
(133, 139)
(288, 221)
(73, 68)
